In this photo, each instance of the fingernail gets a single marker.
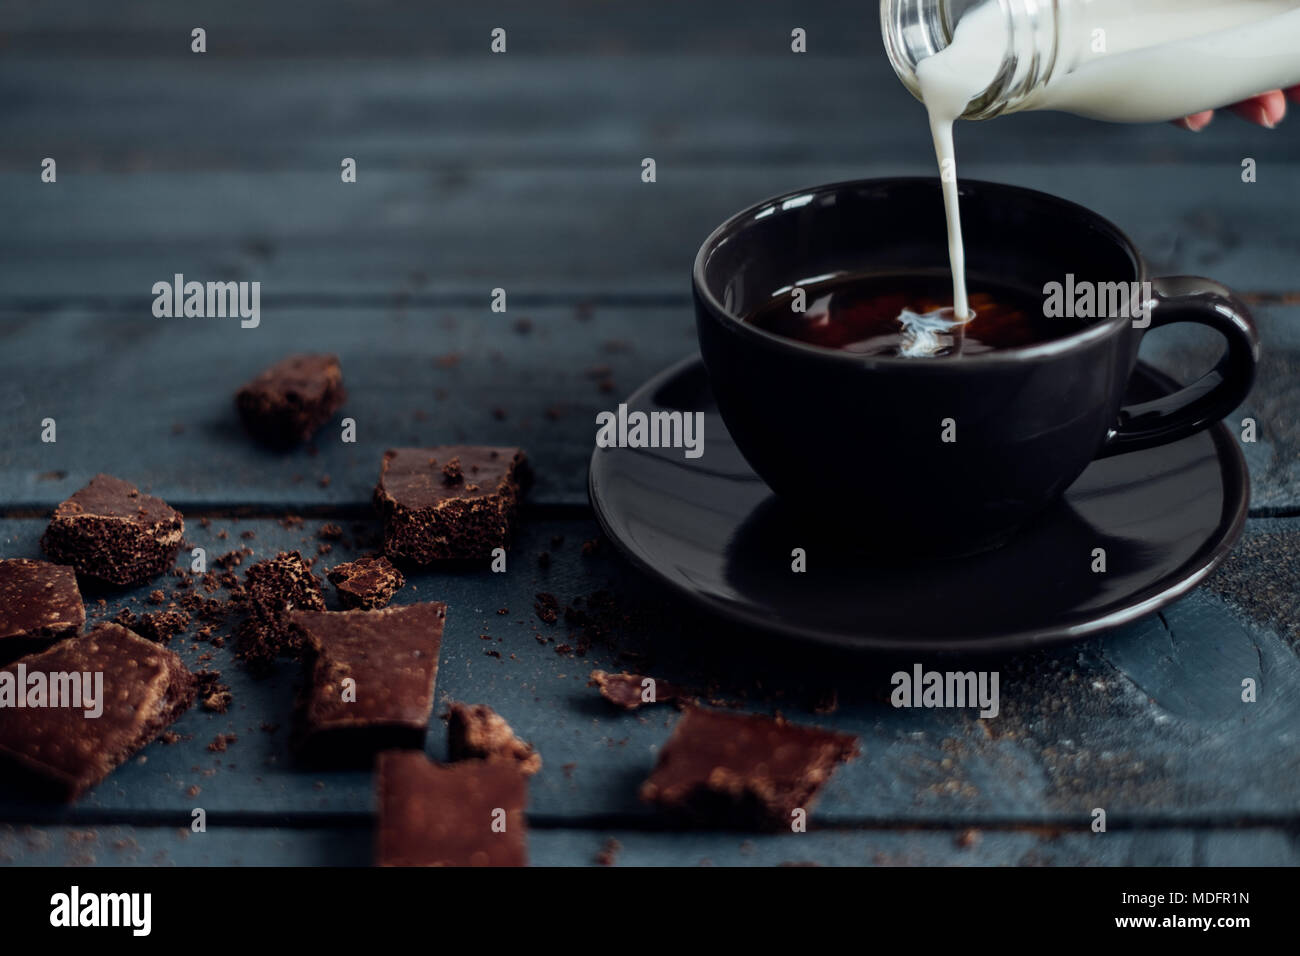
(1265, 120)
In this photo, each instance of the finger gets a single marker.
(1197, 121)
(1267, 109)
(1294, 94)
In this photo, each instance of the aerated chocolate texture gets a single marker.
(366, 583)
(286, 404)
(273, 589)
(443, 816)
(110, 531)
(449, 502)
(39, 604)
(59, 751)
(740, 770)
(391, 657)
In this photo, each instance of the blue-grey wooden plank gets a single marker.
(1258, 579)
(222, 845)
(973, 847)
(153, 397)
(579, 231)
(476, 111)
(1147, 723)
(245, 28)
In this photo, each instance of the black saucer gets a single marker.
(710, 529)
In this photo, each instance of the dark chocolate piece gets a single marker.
(366, 583)
(431, 815)
(479, 732)
(743, 770)
(272, 590)
(285, 404)
(60, 751)
(39, 604)
(391, 656)
(452, 502)
(110, 531)
(628, 690)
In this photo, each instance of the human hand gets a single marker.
(1266, 110)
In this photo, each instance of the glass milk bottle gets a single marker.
(1119, 60)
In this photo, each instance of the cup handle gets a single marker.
(1214, 394)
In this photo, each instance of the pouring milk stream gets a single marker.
(1120, 60)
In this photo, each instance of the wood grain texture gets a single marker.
(530, 111)
(153, 398)
(108, 237)
(234, 844)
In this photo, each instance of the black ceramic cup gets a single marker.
(856, 442)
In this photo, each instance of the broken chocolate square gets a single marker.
(372, 680)
(273, 588)
(39, 604)
(286, 404)
(110, 531)
(630, 691)
(743, 770)
(452, 502)
(366, 583)
(480, 732)
(61, 748)
(450, 816)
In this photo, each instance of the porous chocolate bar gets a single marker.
(39, 604)
(741, 770)
(463, 814)
(112, 532)
(287, 403)
(272, 590)
(56, 745)
(449, 502)
(372, 680)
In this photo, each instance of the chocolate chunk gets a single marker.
(59, 750)
(39, 604)
(391, 657)
(743, 770)
(480, 732)
(273, 588)
(110, 531)
(285, 404)
(429, 517)
(430, 815)
(629, 690)
(366, 583)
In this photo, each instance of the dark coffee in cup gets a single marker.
(941, 456)
(910, 315)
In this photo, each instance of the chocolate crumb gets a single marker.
(547, 607)
(221, 742)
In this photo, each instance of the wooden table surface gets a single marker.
(522, 171)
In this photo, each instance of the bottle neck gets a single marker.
(1026, 34)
